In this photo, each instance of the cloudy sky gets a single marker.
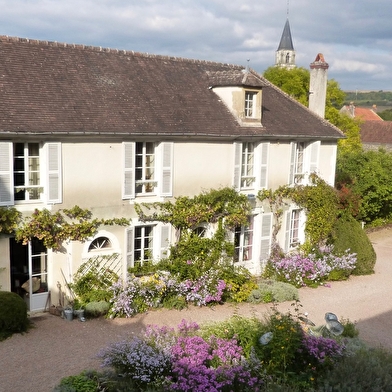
(354, 36)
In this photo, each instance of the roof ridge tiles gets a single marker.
(7, 38)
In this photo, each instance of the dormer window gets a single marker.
(250, 104)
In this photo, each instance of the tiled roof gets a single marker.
(51, 88)
(376, 132)
(364, 114)
(367, 114)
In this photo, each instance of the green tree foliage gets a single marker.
(295, 82)
(386, 115)
(369, 98)
(367, 176)
(347, 233)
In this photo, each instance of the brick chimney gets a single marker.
(318, 85)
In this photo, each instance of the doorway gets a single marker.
(29, 272)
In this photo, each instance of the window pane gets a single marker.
(19, 149)
(33, 164)
(149, 148)
(34, 179)
(33, 149)
(19, 179)
(34, 194)
(18, 164)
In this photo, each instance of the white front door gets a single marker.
(29, 273)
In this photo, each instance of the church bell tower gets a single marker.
(285, 55)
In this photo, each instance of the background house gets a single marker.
(375, 132)
(105, 129)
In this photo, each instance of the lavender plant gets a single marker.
(137, 360)
(137, 295)
(313, 269)
(214, 365)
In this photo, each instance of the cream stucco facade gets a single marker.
(92, 175)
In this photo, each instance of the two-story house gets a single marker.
(105, 129)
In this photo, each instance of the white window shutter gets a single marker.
(293, 148)
(264, 165)
(54, 178)
(129, 240)
(237, 165)
(165, 241)
(314, 157)
(167, 169)
(128, 189)
(287, 234)
(6, 175)
(266, 229)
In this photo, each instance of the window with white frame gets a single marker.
(27, 171)
(30, 172)
(247, 167)
(304, 160)
(243, 241)
(99, 244)
(143, 244)
(147, 243)
(250, 104)
(250, 165)
(293, 219)
(147, 169)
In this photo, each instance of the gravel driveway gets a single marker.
(55, 348)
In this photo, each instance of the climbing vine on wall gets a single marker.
(208, 207)
(320, 202)
(194, 254)
(53, 228)
(10, 219)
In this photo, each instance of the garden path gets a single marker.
(55, 348)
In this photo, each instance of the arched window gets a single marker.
(99, 243)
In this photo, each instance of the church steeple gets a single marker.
(285, 55)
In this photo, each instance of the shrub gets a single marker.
(13, 314)
(280, 354)
(96, 309)
(348, 234)
(246, 331)
(273, 291)
(83, 382)
(364, 370)
(350, 328)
